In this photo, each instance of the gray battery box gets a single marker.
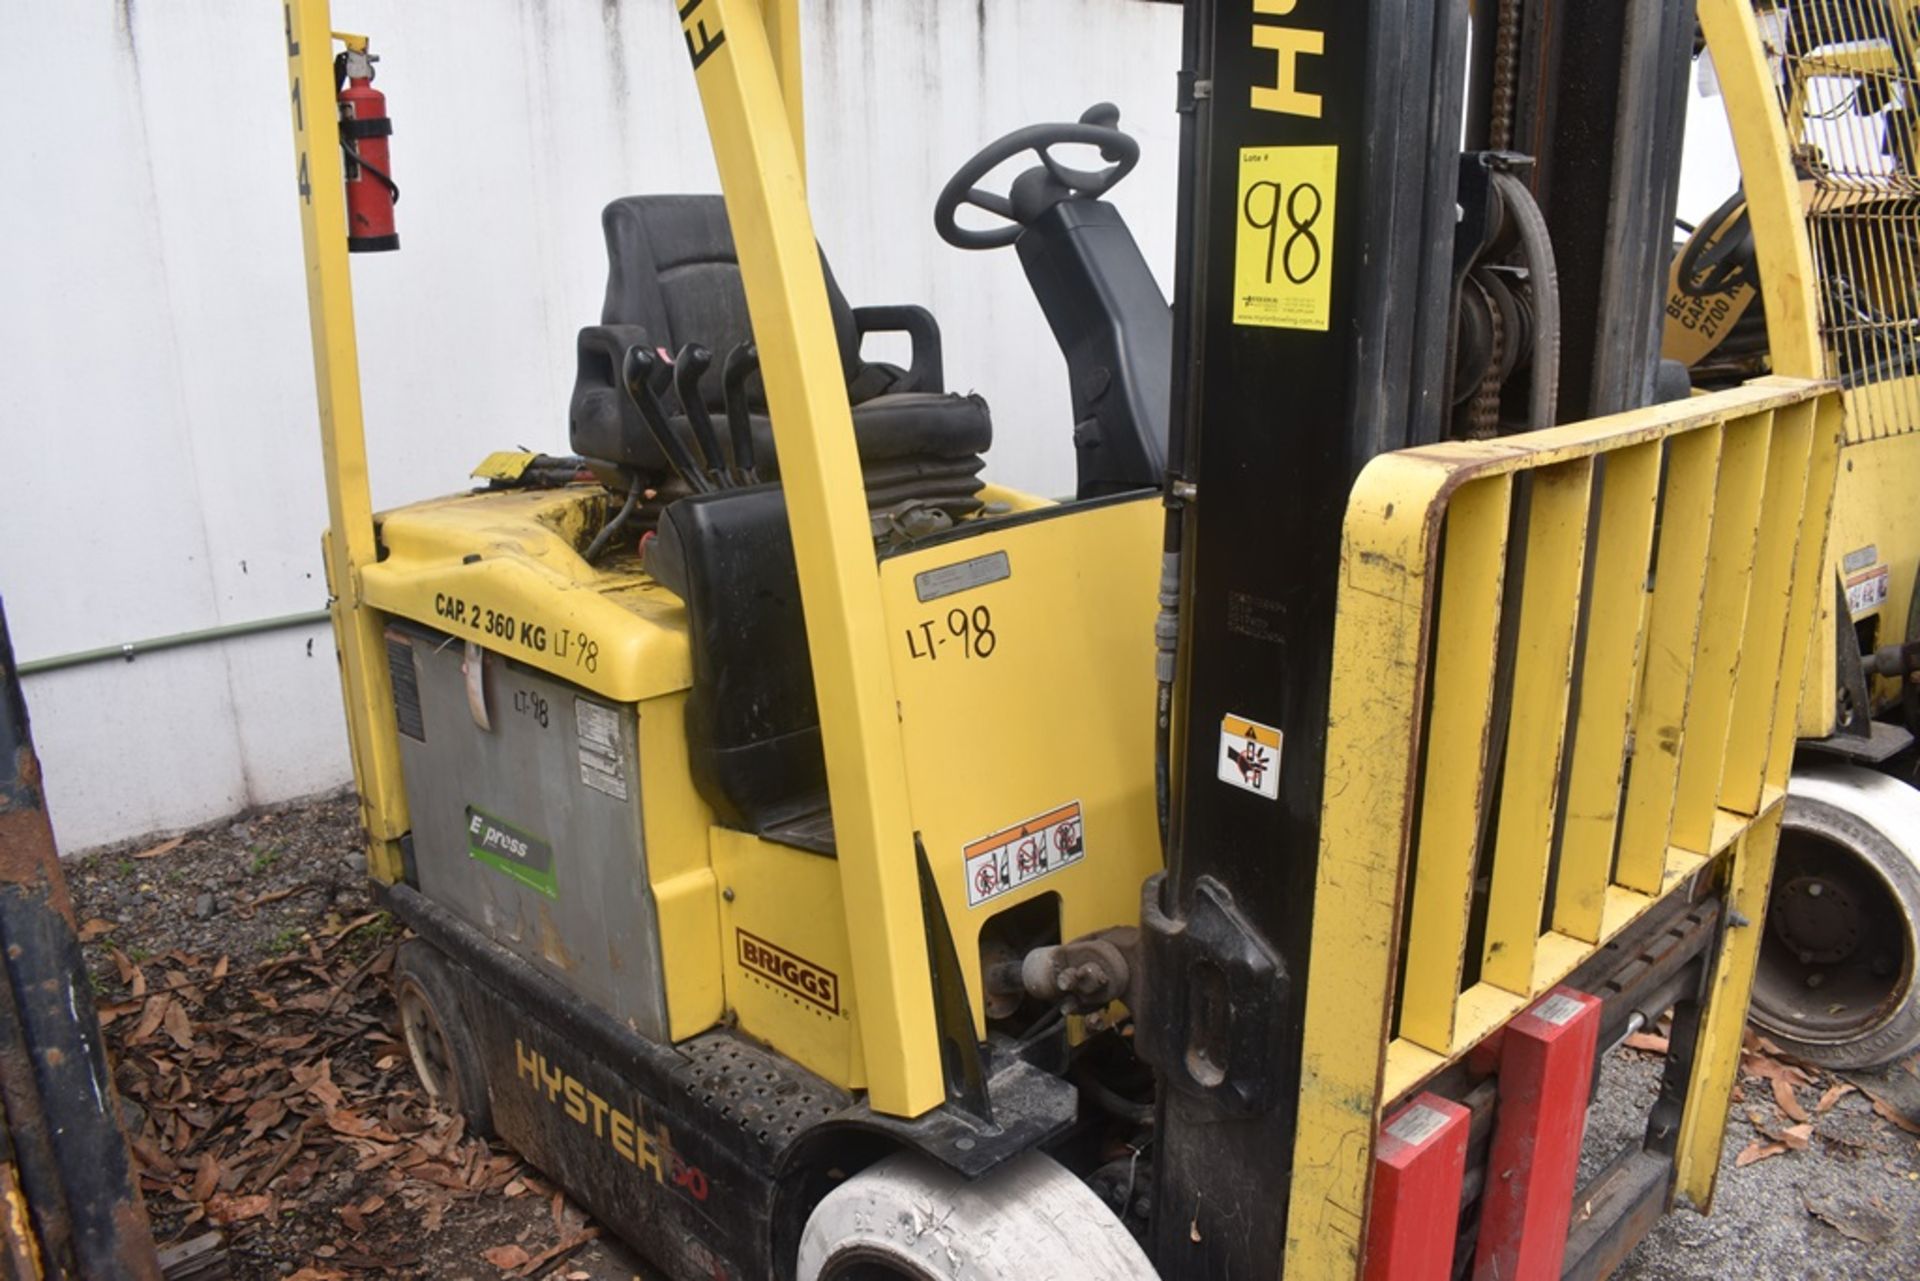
(529, 828)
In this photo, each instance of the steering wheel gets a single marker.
(1098, 126)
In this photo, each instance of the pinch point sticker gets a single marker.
(1250, 756)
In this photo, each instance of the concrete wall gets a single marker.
(157, 419)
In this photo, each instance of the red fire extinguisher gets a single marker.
(364, 130)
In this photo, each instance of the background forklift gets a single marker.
(821, 888)
(1820, 108)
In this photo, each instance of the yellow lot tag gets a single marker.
(1250, 756)
(1283, 249)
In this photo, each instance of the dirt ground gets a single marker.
(241, 973)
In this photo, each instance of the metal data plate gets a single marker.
(530, 830)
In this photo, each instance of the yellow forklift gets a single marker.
(1811, 269)
(828, 864)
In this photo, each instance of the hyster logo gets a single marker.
(801, 977)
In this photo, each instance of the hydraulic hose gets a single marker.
(1166, 638)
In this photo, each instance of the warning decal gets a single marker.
(1250, 756)
(1417, 1124)
(1283, 246)
(1557, 1009)
(603, 765)
(1867, 590)
(1024, 852)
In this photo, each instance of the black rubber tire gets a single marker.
(445, 1055)
(1868, 826)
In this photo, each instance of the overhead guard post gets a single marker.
(349, 544)
(756, 148)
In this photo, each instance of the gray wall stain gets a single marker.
(123, 28)
(616, 54)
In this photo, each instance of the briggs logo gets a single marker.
(797, 975)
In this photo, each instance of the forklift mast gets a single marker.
(1316, 168)
(1330, 216)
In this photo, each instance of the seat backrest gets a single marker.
(673, 271)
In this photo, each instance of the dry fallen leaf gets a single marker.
(151, 1017)
(179, 1026)
(262, 1115)
(97, 928)
(1789, 1102)
(506, 1256)
(1772, 1069)
(1798, 1137)
(206, 1179)
(116, 1009)
(164, 847)
(1648, 1041)
(1833, 1095)
(225, 1209)
(1757, 1151)
(1892, 1113)
(566, 1245)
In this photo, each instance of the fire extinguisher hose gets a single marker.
(393, 188)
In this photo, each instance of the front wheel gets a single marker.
(1836, 979)
(908, 1218)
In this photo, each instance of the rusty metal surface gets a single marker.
(66, 1158)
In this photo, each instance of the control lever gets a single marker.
(640, 369)
(688, 367)
(742, 363)
(660, 375)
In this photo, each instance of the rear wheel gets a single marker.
(1836, 979)
(908, 1219)
(439, 1042)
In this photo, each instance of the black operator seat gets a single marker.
(673, 278)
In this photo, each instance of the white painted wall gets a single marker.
(157, 425)
(1709, 169)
